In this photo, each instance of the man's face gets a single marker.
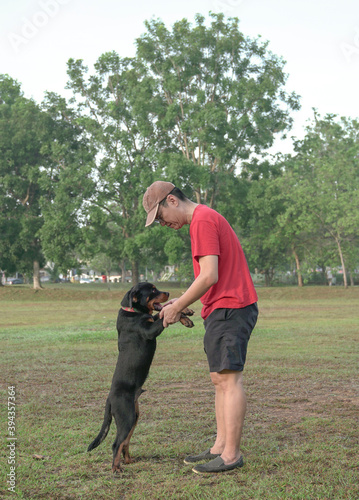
(170, 214)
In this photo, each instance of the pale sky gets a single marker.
(319, 39)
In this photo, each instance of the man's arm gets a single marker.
(207, 277)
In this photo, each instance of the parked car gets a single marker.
(14, 281)
(85, 280)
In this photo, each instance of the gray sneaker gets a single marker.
(217, 465)
(206, 455)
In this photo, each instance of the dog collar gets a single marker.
(130, 309)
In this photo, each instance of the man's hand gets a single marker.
(208, 276)
(172, 301)
(169, 313)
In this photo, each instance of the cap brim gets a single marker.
(151, 215)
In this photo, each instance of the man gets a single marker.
(224, 285)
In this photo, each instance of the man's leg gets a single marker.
(230, 412)
(220, 442)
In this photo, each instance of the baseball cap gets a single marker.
(153, 196)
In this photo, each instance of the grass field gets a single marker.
(59, 349)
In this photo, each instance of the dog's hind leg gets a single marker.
(126, 444)
(125, 418)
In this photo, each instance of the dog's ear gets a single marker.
(131, 296)
(125, 302)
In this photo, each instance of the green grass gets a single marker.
(59, 348)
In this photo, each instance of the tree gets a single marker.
(9, 224)
(22, 129)
(324, 182)
(117, 105)
(222, 96)
(192, 104)
(260, 233)
(9, 231)
(41, 173)
(67, 185)
(296, 236)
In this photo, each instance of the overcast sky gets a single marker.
(318, 39)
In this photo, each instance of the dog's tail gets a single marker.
(105, 427)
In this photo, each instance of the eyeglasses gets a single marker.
(159, 219)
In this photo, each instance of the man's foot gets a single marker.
(206, 455)
(217, 465)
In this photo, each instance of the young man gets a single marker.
(224, 285)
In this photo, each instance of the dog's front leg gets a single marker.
(153, 328)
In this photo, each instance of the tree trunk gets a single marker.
(297, 263)
(135, 275)
(351, 278)
(36, 279)
(268, 277)
(343, 264)
(323, 272)
(108, 276)
(123, 271)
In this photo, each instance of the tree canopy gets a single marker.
(44, 171)
(200, 104)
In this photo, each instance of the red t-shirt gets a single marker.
(211, 234)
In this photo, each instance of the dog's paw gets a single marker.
(116, 471)
(186, 322)
(188, 312)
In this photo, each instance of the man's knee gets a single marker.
(226, 379)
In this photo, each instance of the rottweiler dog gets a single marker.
(137, 331)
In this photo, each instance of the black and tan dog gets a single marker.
(137, 332)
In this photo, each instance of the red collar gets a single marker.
(132, 310)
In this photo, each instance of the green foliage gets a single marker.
(199, 105)
(304, 207)
(321, 187)
(222, 99)
(22, 163)
(193, 103)
(44, 172)
(116, 105)
(66, 186)
(264, 245)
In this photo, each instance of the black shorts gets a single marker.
(227, 335)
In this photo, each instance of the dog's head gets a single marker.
(144, 297)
